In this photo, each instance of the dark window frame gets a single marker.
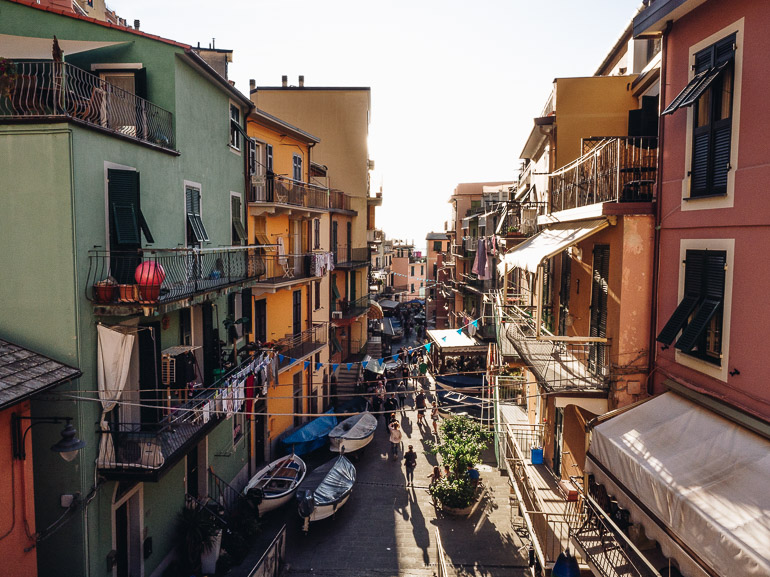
(193, 211)
(237, 232)
(235, 127)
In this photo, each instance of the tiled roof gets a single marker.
(24, 372)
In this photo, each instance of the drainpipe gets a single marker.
(658, 215)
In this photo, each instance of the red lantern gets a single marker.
(149, 274)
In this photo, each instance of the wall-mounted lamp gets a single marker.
(68, 446)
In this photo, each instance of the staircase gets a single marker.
(346, 382)
(374, 347)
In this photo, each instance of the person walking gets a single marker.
(410, 463)
(435, 476)
(434, 417)
(402, 396)
(395, 438)
(391, 406)
(419, 402)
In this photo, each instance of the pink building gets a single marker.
(686, 463)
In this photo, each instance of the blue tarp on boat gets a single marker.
(312, 436)
(460, 381)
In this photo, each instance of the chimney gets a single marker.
(252, 84)
(301, 80)
(136, 24)
(284, 81)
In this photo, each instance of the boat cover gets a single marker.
(460, 381)
(312, 435)
(355, 427)
(330, 482)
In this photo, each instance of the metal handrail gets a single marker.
(44, 89)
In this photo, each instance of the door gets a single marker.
(350, 242)
(297, 313)
(260, 320)
(599, 299)
(352, 293)
(334, 241)
(558, 440)
(210, 343)
(149, 371)
(566, 279)
(128, 537)
(192, 473)
(297, 394)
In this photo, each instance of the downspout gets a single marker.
(658, 214)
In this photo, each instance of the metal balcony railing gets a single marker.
(165, 275)
(142, 449)
(346, 256)
(295, 347)
(619, 169)
(46, 89)
(470, 243)
(339, 200)
(282, 190)
(558, 365)
(350, 309)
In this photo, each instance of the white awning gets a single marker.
(549, 242)
(688, 474)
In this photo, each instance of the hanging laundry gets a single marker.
(251, 381)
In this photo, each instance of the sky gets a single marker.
(455, 85)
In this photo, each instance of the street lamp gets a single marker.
(68, 446)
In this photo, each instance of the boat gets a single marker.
(467, 384)
(325, 490)
(275, 484)
(353, 433)
(457, 403)
(312, 436)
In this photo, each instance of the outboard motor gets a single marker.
(305, 506)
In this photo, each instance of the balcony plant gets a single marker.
(198, 534)
(8, 75)
(462, 442)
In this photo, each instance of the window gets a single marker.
(260, 320)
(316, 233)
(297, 163)
(247, 310)
(235, 126)
(710, 93)
(269, 157)
(699, 314)
(297, 394)
(196, 232)
(412, 270)
(317, 295)
(237, 232)
(412, 288)
(437, 245)
(235, 312)
(127, 220)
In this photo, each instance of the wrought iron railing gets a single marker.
(43, 89)
(470, 243)
(282, 190)
(225, 495)
(339, 200)
(350, 256)
(149, 446)
(349, 309)
(559, 365)
(294, 347)
(165, 275)
(618, 169)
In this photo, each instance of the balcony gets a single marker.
(281, 192)
(374, 236)
(346, 257)
(48, 90)
(124, 283)
(621, 169)
(559, 365)
(341, 202)
(295, 348)
(345, 310)
(145, 451)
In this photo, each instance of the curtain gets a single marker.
(113, 362)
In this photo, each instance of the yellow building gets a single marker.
(288, 222)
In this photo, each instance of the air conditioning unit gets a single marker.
(168, 369)
(336, 314)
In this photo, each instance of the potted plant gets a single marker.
(199, 536)
(105, 290)
(462, 442)
(8, 75)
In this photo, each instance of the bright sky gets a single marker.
(455, 84)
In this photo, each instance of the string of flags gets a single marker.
(427, 346)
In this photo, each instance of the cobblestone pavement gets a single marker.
(387, 528)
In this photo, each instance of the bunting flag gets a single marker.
(350, 366)
(380, 361)
(335, 366)
(459, 332)
(280, 358)
(427, 347)
(444, 338)
(476, 323)
(318, 366)
(307, 364)
(363, 364)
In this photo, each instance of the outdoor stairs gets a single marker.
(346, 381)
(374, 349)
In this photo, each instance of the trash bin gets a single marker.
(537, 456)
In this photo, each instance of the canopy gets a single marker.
(372, 365)
(388, 304)
(549, 242)
(375, 310)
(330, 482)
(449, 340)
(680, 468)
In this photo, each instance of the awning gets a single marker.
(467, 220)
(451, 341)
(375, 310)
(388, 304)
(549, 242)
(483, 217)
(696, 481)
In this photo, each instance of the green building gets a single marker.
(124, 167)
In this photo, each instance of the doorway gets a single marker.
(127, 533)
(558, 440)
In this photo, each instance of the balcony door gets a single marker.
(599, 300)
(350, 242)
(297, 312)
(127, 536)
(334, 241)
(565, 282)
(558, 440)
(149, 371)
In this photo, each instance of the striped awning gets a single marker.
(375, 311)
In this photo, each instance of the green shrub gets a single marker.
(461, 443)
(457, 492)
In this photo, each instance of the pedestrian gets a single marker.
(410, 463)
(419, 401)
(473, 475)
(434, 417)
(395, 438)
(402, 396)
(447, 472)
(390, 407)
(435, 476)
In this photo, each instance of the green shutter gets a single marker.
(125, 210)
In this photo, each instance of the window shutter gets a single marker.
(247, 310)
(721, 164)
(695, 265)
(127, 217)
(125, 224)
(193, 207)
(252, 156)
(700, 163)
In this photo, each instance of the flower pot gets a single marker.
(457, 511)
(105, 293)
(150, 292)
(128, 293)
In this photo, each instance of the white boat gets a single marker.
(325, 490)
(353, 433)
(276, 484)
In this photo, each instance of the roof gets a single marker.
(309, 88)
(189, 50)
(24, 372)
(437, 236)
(278, 123)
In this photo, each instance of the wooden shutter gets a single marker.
(695, 264)
(247, 310)
(123, 192)
(600, 290)
(712, 291)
